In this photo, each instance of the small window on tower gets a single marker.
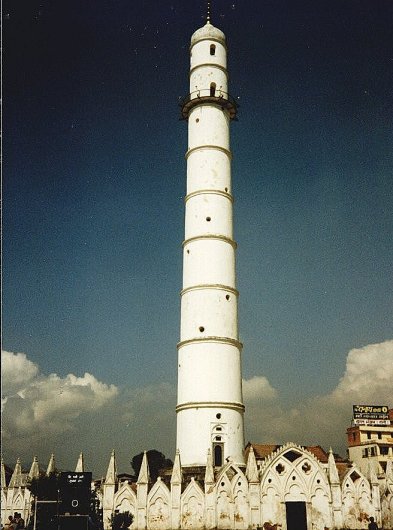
(212, 49)
(217, 454)
(212, 89)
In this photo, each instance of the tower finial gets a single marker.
(208, 12)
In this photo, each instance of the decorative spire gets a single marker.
(208, 12)
(111, 472)
(209, 473)
(144, 477)
(34, 470)
(372, 475)
(51, 466)
(252, 468)
(80, 465)
(3, 480)
(333, 473)
(176, 477)
(16, 479)
(389, 469)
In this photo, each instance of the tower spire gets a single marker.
(208, 12)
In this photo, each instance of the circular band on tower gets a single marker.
(208, 146)
(209, 192)
(210, 65)
(211, 404)
(211, 236)
(216, 286)
(222, 340)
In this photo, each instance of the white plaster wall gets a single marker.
(208, 168)
(320, 510)
(202, 77)
(210, 309)
(209, 371)
(200, 54)
(208, 213)
(195, 420)
(211, 129)
(208, 261)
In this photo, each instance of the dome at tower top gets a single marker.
(207, 32)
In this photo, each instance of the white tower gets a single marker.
(209, 404)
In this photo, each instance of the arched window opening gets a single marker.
(212, 89)
(212, 49)
(218, 454)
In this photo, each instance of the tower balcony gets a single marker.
(206, 96)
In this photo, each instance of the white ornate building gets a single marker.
(288, 488)
(214, 484)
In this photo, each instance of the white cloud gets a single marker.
(38, 406)
(323, 419)
(257, 388)
(368, 376)
(65, 415)
(16, 372)
(71, 414)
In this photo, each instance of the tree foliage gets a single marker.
(121, 520)
(45, 488)
(156, 461)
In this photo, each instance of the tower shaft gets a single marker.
(210, 406)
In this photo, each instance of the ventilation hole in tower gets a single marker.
(208, 219)
(218, 415)
(293, 478)
(222, 483)
(212, 49)
(239, 483)
(318, 481)
(227, 297)
(188, 251)
(201, 329)
(226, 189)
(197, 120)
(269, 480)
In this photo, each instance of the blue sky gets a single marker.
(93, 188)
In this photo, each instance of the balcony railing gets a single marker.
(202, 96)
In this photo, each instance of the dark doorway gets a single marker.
(296, 516)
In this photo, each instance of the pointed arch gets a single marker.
(125, 501)
(192, 506)
(224, 507)
(293, 474)
(158, 507)
(18, 501)
(240, 501)
(356, 498)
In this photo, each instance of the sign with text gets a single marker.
(371, 415)
(75, 492)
